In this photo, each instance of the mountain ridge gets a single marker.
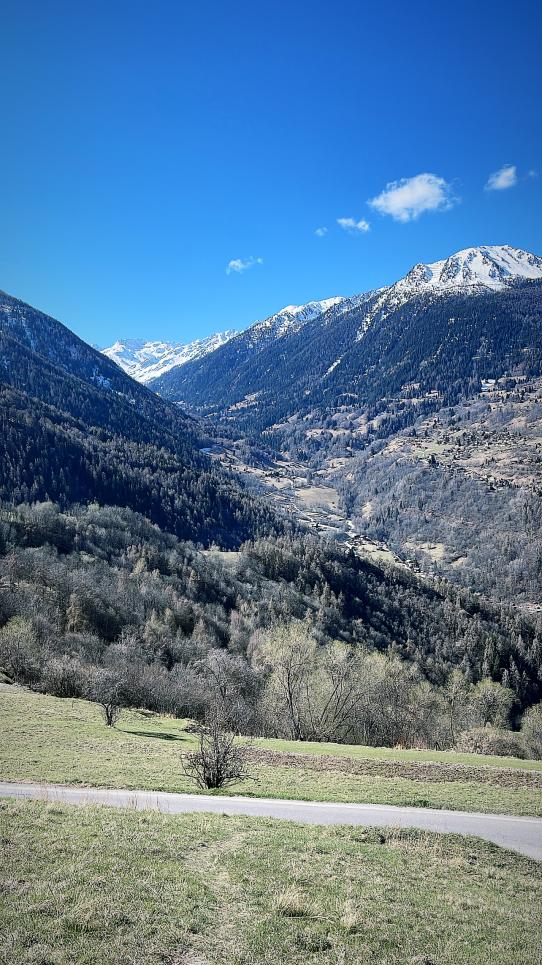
(76, 428)
(472, 271)
(145, 360)
(329, 354)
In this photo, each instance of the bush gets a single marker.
(20, 654)
(531, 730)
(492, 740)
(219, 760)
(64, 677)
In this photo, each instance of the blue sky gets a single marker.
(146, 146)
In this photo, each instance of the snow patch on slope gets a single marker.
(293, 318)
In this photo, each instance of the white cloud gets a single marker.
(407, 199)
(350, 224)
(240, 265)
(505, 177)
(320, 232)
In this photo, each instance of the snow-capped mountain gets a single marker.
(148, 360)
(294, 317)
(145, 360)
(492, 267)
(233, 367)
(428, 329)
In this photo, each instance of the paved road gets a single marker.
(518, 834)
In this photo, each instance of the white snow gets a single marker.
(293, 318)
(146, 360)
(333, 366)
(101, 380)
(491, 266)
(487, 268)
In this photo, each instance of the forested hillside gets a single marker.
(102, 591)
(74, 427)
(419, 404)
(460, 491)
(132, 562)
(371, 361)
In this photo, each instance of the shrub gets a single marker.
(219, 760)
(64, 677)
(492, 740)
(20, 654)
(531, 730)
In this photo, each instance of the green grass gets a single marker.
(94, 886)
(45, 739)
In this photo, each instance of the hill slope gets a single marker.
(74, 427)
(344, 400)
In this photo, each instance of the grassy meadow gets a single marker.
(46, 739)
(90, 886)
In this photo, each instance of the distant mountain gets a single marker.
(366, 396)
(473, 270)
(247, 353)
(443, 326)
(75, 428)
(291, 319)
(146, 360)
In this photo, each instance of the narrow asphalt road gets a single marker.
(519, 834)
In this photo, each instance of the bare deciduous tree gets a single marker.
(219, 760)
(104, 688)
(311, 690)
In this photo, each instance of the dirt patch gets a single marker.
(412, 770)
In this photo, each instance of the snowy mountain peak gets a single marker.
(490, 267)
(146, 360)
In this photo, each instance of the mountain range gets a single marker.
(440, 327)
(471, 271)
(146, 361)
(403, 423)
(385, 406)
(345, 391)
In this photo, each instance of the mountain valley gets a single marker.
(384, 406)
(358, 473)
